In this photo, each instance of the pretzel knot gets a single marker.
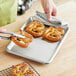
(22, 42)
(35, 28)
(53, 34)
(22, 70)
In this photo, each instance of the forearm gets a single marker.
(46, 2)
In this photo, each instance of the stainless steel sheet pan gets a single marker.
(39, 50)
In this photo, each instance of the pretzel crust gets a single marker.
(28, 38)
(29, 73)
(22, 70)
(53, 34)
(35, 28)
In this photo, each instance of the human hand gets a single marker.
(2, 30)
(49, 8)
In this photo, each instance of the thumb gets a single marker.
(54, 12)
(49, 16)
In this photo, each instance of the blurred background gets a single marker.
(24, 5)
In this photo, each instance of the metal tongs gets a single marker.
(11, 33)
(54, 21)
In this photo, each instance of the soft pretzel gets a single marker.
(35, 28)
(29, 73)
(53, 34)
(22, 70)
(25, 41)
(35, 32)
(61, 30)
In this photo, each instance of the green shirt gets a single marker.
(8, 11)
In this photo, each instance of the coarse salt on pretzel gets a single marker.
(61, 30)
(25, 41)
(28, 38)
(35, 28)
(36, 24)
(53, 34)
(53, 37)
(35, 32)
(17, 42)
(20, 69)
(29, 73)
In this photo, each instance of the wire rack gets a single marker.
(7, 71)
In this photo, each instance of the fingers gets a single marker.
(2, 30)
(49, 8)
(54, 12)
(50, 12)
(49, 16)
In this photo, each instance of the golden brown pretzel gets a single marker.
(20, 69)
(53, 34)
(28, 38)
(29, 73)
(35, 28)
(61, 30)
(35, 32)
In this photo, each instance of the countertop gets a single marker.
(64, 63)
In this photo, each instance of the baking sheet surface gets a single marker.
(39, 50)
